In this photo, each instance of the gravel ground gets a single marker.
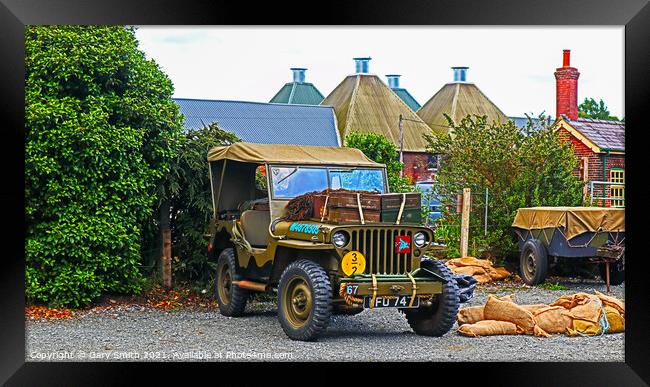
(134, 332)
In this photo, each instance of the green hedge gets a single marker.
(100, 131)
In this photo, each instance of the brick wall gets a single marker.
(594, 161)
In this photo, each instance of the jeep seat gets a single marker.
(256, 227)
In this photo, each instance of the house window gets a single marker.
(617, 192)
(433, 163)
(617, 175)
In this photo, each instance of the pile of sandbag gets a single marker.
(578, 314)
(481, 269)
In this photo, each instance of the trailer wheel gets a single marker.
(533, 262)
(616, 272)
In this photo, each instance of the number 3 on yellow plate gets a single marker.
(353, 263)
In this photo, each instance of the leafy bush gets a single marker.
(191, 201)
(379, 149)
(521, 168)
(100, 131)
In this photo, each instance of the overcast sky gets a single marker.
(513, 66)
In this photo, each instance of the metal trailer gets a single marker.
(597, 234)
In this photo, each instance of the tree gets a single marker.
(100, 132)
(190, 198)
(381, 150)
(592, 109)
(520, 168)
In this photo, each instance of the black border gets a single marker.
(634, 14)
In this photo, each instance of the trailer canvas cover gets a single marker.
(574, 220)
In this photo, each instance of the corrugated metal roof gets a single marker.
(364, 103)
(458, 100)
(407, 98)
(605, 134)
(298, 93)
(264, 123)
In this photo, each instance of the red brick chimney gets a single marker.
(566, 81)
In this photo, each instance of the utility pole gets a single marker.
(401, 144)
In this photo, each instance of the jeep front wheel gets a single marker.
(437, 319)
(304, 300)
(231, 298)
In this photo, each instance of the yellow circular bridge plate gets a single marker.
(353, 263)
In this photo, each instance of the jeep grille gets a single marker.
(378, 246)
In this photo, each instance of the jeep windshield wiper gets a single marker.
(286, 177)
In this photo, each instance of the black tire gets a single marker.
(232, 299)
(304, 300)
(439, 318)
(533, 262)
(616, 272)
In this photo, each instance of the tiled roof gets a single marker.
(264, 123)
(605, 134)
(298, 93)
(407, 98)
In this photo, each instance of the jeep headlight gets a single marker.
(420, 239)
(340, 239)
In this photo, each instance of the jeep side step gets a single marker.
(258, 286)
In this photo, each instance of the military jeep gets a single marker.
(318, 268)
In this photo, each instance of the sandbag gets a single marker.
(488, 328)
(496, 309)
(612, 302)
(553, 319)
(470, 315)
(615, 320)
(473, 314)
(481, 269)
(534, 307)
(584, 327)
(582, 305)
(539, 332)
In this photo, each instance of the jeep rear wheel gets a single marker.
(304, 300)
(437, 319)
(231, 298)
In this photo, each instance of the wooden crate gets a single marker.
(349, 200)
(339, 215)
(393, 201)
(411, 215)
(318, 206)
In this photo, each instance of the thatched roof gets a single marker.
(458, 99)
(364, 103)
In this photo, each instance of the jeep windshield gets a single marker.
(291, 181)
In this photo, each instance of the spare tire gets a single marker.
(533, 262)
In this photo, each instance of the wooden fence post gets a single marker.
(464, 225)
(167, 259)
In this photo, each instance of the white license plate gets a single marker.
(392, 302)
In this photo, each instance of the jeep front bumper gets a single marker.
(421, 283)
